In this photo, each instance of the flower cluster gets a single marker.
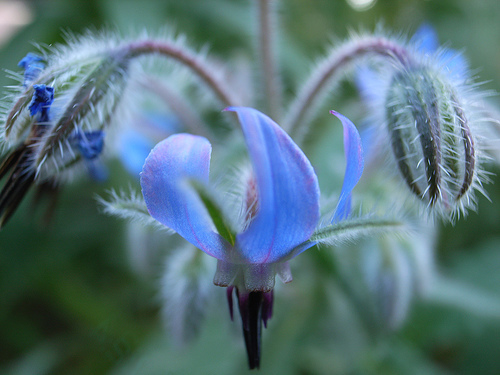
(419, 99)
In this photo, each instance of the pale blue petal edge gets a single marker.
(287, 186)
(354, 167)
(134, 148)
(426, 40)
(171, 200)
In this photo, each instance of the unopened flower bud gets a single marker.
(430, 138)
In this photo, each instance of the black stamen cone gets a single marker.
(251, 317)
(255, 309)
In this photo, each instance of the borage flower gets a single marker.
(281, 209)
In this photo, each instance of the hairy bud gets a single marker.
(430, 137)
(87, 89)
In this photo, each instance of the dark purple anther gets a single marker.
(267, 307)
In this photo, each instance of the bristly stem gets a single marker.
(301, 109)
(188, 59)
(270, 78)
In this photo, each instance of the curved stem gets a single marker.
(272, 95)
(301, 109)
(188, 59)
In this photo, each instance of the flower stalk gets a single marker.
(267, 48)
(186, 58)
(328, 71)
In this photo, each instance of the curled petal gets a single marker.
(170, 199)
(354, 167)
(287, 189)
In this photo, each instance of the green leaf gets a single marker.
(356, 228)
(218, 218)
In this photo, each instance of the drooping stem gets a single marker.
(188, 59)
(269, 75)
(298, 115)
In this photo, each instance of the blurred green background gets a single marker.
(71, 302)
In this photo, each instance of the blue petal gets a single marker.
(33, 66)
(427, 42)
(169, 198)
(90, 143)
(369, 84)
(354, 167)
(29, 59)
(287, 188)
(426, 39)
(134, 148)
(43, 96)
(456, 65)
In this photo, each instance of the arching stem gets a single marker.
(299, 112)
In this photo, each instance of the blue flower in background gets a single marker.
(90, 145)
(43, 97)
(135, 143)
(134, 148)
(281, 209)
(426, 42)
(33, 66)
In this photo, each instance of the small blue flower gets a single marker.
(427, 43)
(135, 143)
(43, 97)
(282, 209)
(33, 66)
(90, 145)
(134, 148)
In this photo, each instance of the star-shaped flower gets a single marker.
(281, 209)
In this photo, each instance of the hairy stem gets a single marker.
(188, 59)
(271, 86)
(327, 73)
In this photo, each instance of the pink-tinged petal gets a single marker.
(354, 167)
(287, 189)
(171, 200)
